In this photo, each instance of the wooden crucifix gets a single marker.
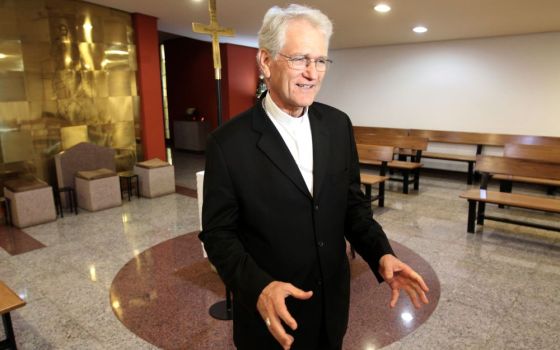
(214, 30)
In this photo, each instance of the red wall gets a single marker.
(149, 86)
(190, 79)
(240, 75)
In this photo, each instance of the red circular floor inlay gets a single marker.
(163, 296)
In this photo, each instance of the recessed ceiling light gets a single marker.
(3, 56)
(382, 8)
(419, 29)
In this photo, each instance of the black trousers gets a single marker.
(309, 336)
(323, 344)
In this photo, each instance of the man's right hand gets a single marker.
(273, 310)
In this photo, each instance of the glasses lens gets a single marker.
(299, 62)
(302, 62)
(321, 65)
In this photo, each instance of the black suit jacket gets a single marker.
(261, 224)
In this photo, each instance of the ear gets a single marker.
(264, 60)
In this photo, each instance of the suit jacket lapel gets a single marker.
(272, 144)
(321, 145)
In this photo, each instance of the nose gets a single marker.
(310, 71)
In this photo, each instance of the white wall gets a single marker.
(505, 85)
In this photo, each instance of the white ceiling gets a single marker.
(355, 22)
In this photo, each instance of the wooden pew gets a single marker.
(542, 153)
(480, 140)
(416, 144)
(550, 154)
(488, 166)
(375, 155)
(9, 301)
(457, 138)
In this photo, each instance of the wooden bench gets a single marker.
(416, 144)
(542, 153)
(457, 138)
(480, 140)
(375, 155)
(9, 301)
(490, 165)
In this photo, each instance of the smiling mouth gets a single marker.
(305, 86)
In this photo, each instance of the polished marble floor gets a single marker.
(173, 281)
(499, 287)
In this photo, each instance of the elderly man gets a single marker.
(281, 195)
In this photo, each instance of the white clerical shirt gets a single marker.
(296, 133)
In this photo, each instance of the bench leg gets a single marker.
(121, 187)
(417, 179)
(129, 187)
(368, 192)
(470, 173)
(381, 200)
(57, 203)
(480, 215)
(405, 182)
(137, 187)
(74, 201)
(505, 186)
(476, 176)
(472, 216)
(8, 211)
(10, 342)
(550, 190)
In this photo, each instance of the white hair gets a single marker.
(272, 34)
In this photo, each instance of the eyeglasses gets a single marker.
(302, 62)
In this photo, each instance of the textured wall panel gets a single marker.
(12, 87)
(67, 74)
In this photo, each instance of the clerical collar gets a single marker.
(279, 115)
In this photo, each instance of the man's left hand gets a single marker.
(399, 275)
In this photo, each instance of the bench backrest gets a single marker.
(457, 137)
(518, 167)
(380, 131)
(461, 137)
(534, 152)
(406, 142)
(486, 139)
(373, 153)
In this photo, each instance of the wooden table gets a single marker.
(9, 301)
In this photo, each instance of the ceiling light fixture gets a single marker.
(2, 55)
(383, 8)
(419, 29)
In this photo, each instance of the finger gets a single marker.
(420, 292)
(298, 293)
(277, 310)
(387, 273)
(285, 315)
(422, 284)
(408, 271)
(412, 295)
(394, 297)
(289, 343)
(279, 333)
